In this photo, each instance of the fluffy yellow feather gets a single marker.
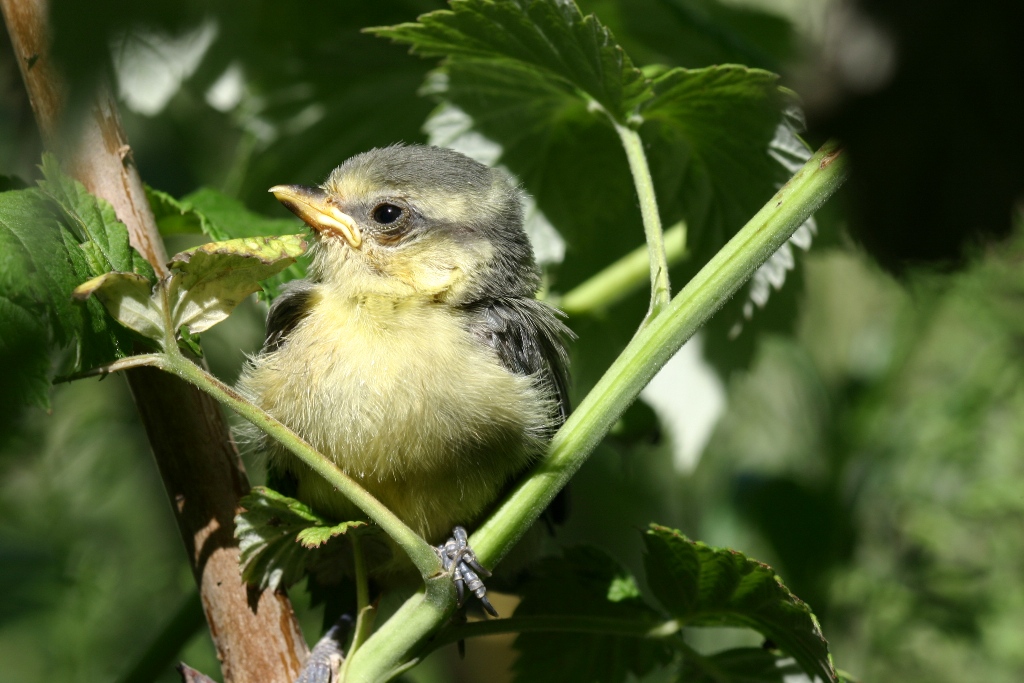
(415, 357)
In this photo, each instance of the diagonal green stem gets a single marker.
(419, 551)
(658, 341)
(661, 290)
(397, 641)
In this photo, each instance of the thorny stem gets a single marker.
(661, 290)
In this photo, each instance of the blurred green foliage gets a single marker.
(870, 449)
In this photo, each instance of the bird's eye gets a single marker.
(385, 214)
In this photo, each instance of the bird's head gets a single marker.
(417, 221)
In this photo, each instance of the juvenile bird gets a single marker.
(415, 355)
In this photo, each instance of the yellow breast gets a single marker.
(403, 398)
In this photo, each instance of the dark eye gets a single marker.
(386, 214)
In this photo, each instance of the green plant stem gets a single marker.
(620, 279)
(365, 612)
(362, 581)
(661, 290)
(419, 551)
(630, 628)
(138, 361)
(406, 634)
(392, 646)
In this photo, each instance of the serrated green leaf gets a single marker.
(99, 342)
(710, 139)
(42, 332)
(129, 299)
(209, 281)
(211, 212)
(585, 582)
(549, 41)
(316, 536)
(709, 135)
(268, 531)
(712, 129)
(705, 586)
(741, 665)
(94, 222)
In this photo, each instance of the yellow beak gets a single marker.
(312, 206)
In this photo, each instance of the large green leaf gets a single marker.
(553, 41)
(711, 130)
(713, 137)
(43, 333)
(29, 239)
(585, 582)
(705, 586)
(93, 222)
(209, 281)
(211, 212)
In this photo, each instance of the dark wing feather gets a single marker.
(529, 338)
(288, 309)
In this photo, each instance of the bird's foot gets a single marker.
(459, 560)
(326, 657)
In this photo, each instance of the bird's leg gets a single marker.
(326, 657)
(459, 560)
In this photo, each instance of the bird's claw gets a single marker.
(459, 560)
(325, 659)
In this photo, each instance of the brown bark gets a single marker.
(256, 635)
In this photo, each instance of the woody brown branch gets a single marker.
(256, 635)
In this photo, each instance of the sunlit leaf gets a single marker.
(44, 332)
(129, 300)
(209, 281)
(316, 536)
